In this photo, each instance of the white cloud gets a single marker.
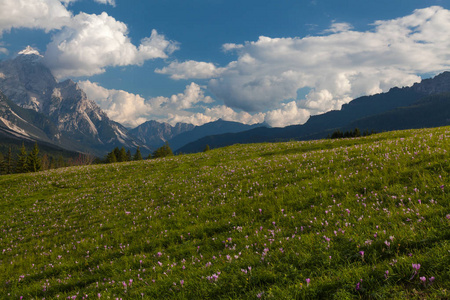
(213, 114)
(288, 114)
(337, 67)
(192, 95)
(111, 2)
(191, 69)
(132, 110)
(93, 42)
(123, 107)
(338, 27)
(40, 14)
(231, 46)
(85, 44)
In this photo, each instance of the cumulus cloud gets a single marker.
(40, 14)
(85, 44)
(337, 66)
(288, 114)
(93, 42)
(131, 109)
(191, 69)
(123, 107)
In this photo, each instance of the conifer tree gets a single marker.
(116, 152)
(206, 148)
(122, 155)
(33, 160)
(129, 157)
(22, 166)
(137, 155)
(111, 157)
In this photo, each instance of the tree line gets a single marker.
(349, 134)
(122, 155)
(21, 161)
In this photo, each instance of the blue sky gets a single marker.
(195, 61)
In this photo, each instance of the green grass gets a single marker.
(241, 222)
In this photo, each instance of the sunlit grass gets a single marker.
(331, 219)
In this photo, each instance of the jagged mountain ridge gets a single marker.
(361, 112)
(81, 124)
(22, 123)
(154, 133)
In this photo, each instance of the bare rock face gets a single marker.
(26, 81)
(154, 133)
(436, 85)
(83, 125)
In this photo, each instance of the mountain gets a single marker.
(213, 128)
(21, 123)
(81, 125)
(154, 134)
(430, 111)
(361, 112)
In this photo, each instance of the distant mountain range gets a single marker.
(35, 107)
(155, 134)
(425, 104)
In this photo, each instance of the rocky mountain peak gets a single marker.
(438, 84)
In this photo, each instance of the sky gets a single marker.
(195, 61)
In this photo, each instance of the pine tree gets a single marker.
(111, 157)
(122, 155)
(206, 148)
(22, 166)
(33, 160)
(137, 155)
(116, 152)
(129, 157)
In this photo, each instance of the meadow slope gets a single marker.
(363, 218)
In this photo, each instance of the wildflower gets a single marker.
(386, 273)
(358, 285)
(361, 253)
(423, 279)
(416, 267)
(308, 281)
(431, 279)
(181, 282)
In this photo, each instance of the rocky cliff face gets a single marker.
(436, 85)
(82, 125)
(154, 133)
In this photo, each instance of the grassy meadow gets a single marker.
(361, 218)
